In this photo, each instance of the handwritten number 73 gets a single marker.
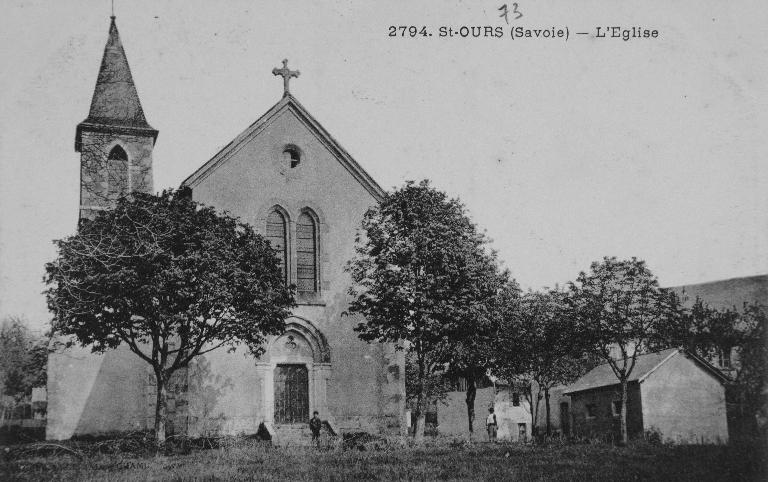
(505, 12)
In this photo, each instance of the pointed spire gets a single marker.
(115, 100)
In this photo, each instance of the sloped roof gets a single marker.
(288, 102)
(729, 292)
(115, 105)
(603, 376)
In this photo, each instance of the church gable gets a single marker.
(288, 157)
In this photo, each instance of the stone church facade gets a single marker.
(294, 183)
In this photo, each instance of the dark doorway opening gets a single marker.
(565, 419)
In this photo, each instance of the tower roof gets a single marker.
(115, 106)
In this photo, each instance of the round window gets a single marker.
(291, 156)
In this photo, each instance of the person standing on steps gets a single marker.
(490, 425)
(315, 424)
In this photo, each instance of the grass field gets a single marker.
(463, 462)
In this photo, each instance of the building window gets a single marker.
(306, 254)
(591, 411)
(616, 408)
(277, 235)
(117, 154)
(515, 399)
(291, 156)
(431, 417)
(117, 173)
(724, 358)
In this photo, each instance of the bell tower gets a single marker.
(115, 141)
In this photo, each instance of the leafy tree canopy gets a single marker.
(422, 275)
(169, 278)
(619, 313)
(619, 305)
(536, 347)
(421, 272)
(23, 358)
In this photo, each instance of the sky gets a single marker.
(563, 151)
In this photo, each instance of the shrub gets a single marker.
(653, 436)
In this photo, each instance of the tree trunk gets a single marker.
(471, 393)
(530, 399)
(161, 411)
(421, 418)
(421, 409)
(623, 418)
(535, 412)
(549, 422)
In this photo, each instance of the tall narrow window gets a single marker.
(306, 254)
(724, 358)
(277, 236)
(117, 173)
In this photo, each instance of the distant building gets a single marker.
(729, 293)
(672, 392)
(513, 412)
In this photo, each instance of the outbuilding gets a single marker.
(672, 392)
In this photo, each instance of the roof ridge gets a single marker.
(674, 352)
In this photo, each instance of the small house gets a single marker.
(672, 392)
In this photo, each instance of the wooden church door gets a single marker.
(291, 394)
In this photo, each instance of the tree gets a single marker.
(23, 361)
(705, 331)
(435, 385)
(23, 358)
(424, 280)
(751, 380)
(536, 351)
(711, 332)
(472, 342)
(169, 278)
(619, 306)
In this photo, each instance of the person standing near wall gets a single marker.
(490, 425)
(315, 424)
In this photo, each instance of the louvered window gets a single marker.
(277, 236)
(306, 254)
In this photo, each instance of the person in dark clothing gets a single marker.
(315, 424)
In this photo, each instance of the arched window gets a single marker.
(306, 254)
(277, 234)
(117, 173)
(117, 154)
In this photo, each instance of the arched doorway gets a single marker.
(295, 369)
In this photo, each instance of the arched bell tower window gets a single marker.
(117, 154)
(306, 254)
(277, 235)
(117, 173)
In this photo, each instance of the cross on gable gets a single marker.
(286, 73)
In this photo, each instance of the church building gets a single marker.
(296, 185)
